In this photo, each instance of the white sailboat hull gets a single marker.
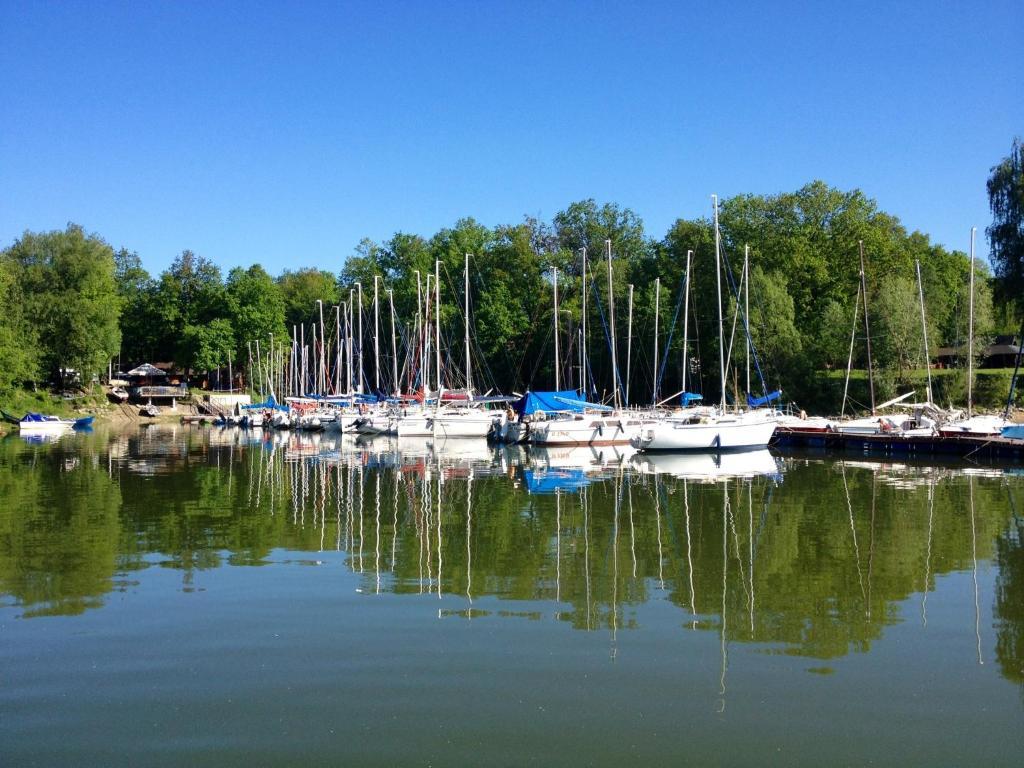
(589, 430)
(728, 432)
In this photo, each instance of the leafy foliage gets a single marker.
(69, 297)
(1006, 233)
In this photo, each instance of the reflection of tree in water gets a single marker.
(816, 565)
(59, 530)
(1009, 599)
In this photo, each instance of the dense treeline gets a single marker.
(72, 302)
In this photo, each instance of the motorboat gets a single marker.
(42, 423)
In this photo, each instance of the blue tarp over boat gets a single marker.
(689, 397)
(757, 402)
(553, 480)
(1015, 432)
(270, 402)
(561, 401)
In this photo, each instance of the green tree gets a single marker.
(189, 293)
(301, 289)
(255, 307)
(206, 347)
(70, 298)
(1006, 233)
(18, 348)
(139, 331)
(897, 344)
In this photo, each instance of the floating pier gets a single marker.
(893, 444)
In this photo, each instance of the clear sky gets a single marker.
(283, 133)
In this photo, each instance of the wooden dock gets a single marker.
(979, 448)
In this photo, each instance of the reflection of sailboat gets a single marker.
(580, 457)
(709, 466)
(571, 468)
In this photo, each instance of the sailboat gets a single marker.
(710, 429)
(970, 424)
(455, 414)
(581, 422)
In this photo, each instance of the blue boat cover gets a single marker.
(562, 401)
(270, 402)
(689, 397)
(552, 480)
(1014, 431)
(757, 402)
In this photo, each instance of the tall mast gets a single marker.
(359, 343)
(718, 282)
(376, 335)
(583, 329)
(337, 347)
(746, 306)
(867, 327)
(322, 371)
(611, 316)
(970, 332)
(349, 329)
(558, 360)
(394, 343)
(426, 334)
(345, 362)
(419, 329)
(924, 329)
(302, 352)
(437, 324)
(849, 360)
(465, 293)
(686, 321)
(657, 309)
(629, 343)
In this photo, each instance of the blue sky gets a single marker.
(283, 133)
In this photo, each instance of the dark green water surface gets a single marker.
(199, 597)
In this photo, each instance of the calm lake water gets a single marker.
(179, 596)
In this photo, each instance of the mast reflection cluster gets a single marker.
(802, 555)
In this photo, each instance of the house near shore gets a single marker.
(1002, 353)
(152, 384)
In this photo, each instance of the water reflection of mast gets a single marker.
(871, 541)
(558, 545)
(586, 546)
(689, 554)
(725, 574)
(337, 506)
(469, 535)
(615, 566)
(750, 516)
(928, 553)
(632, 528)
(421, 525)
(974, 554)
(360, 513)
(439, 554)
(657, 517)
(856, 547)
(736, 538)
(394, 526)
(322, 471)
(376, 531)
